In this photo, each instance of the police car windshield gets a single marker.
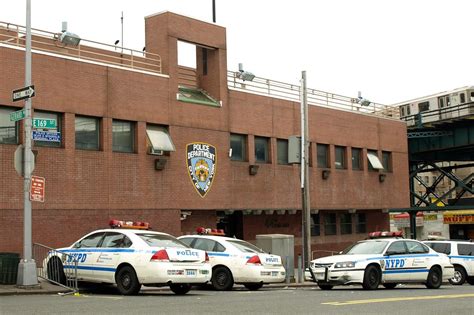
(160, 240)
(246, 247)
(361, 248)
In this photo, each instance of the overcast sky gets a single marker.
(391, 50)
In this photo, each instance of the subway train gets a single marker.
(444, 106)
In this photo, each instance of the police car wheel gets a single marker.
(253, 286)
(434, 278)
(459, 276)
(127, 282)
(470, 280)
(55, 271)
(180, 288)
(222, 279)
(390, 285)
(325, 286)
(372, 277)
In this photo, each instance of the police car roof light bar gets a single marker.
(207, 231)
(138, 225)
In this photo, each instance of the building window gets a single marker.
(387, 161)
(282, 151)
(158, 140)
(356, 158)
(57, 130)
(361, 223)
(373, 162)
(238, 145)
(340, 157)
(123, 135)
(330, 224)
(346, 223)
(8, 129)
(87, 133)
(315, 225)
(323, 155)
(261, 150)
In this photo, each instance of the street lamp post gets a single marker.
(27, 275)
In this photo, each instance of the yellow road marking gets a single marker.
(398, 299)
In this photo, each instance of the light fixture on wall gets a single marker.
(245, 75)
(68, 38)
(160, 164)
(253, 169)
(325, 174)
(382, 177)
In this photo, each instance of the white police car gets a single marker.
(382, 261)
(131, 258)
(237, 261)
(461, 254)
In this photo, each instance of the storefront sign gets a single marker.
(201, 161)
(459, 217)
(403, 220)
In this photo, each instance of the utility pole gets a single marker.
(27, 268)
(214, 11)
(306, 213)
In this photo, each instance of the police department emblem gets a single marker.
(201, 160)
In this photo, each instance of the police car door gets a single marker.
(113, 249)
(395, 263)
(85, 253)
(420, 260)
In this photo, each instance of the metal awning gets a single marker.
(159, 139)
(374, 161)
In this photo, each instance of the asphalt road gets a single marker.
(405, 299)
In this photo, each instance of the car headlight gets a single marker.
(345, 264)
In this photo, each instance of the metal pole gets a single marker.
(306, 213)
(27, 267)
(121, 20)
(214, 11)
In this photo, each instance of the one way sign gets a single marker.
(23, 93)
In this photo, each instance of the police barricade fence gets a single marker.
(56, 266)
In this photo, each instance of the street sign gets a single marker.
(44, 123)
(18, 115)
(19, 156)
(23, 93)
(37, 188)
(46, 136)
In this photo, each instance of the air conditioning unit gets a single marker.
(152, 151)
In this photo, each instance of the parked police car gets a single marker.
(131, 258)
(461, 254)
(237, 261)
(388, 261)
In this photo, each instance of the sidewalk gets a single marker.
(45, 287)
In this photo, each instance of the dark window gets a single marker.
(8, 129)
(323, 155)
(261, 150)
(87, 133)
(462, 98)
(160, 240)
(204, 61)
(340, 157)
(387, 161)
(90, 241)
(361, 223)
(123, 135)
(330, 224)
(205, 244)
(315, 225)
(49, 115)
(408, 110)
(116, 240)
(444, 248)
(472, 96)
(397, 248)
(282, 151)
(466, 249)
(356, 158)
(423, 107)
(219, 247)
(416, 248)
(346, 223)
(238, 144)
(188, 241)
(441, 102)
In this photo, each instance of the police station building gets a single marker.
(138, 137)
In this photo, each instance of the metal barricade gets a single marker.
(55, 266)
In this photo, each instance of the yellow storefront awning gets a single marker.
(459, 217)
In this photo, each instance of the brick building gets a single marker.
(136, 128)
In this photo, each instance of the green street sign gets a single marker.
(43, 123)
(18, 115)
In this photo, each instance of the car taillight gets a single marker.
(160, 255)
(207, 257)
(254, 260)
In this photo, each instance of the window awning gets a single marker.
(374, 161)
(159, 139)
(195, 95)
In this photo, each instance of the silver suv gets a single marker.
(461, 254)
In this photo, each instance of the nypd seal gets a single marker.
(201, 162)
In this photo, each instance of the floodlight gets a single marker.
(245, 75)
(70, 39)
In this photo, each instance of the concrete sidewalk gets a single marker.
(46, 287)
